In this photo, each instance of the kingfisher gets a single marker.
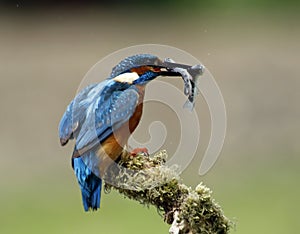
(102, 117)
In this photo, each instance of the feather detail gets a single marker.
(90, 184)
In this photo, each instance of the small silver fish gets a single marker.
(190, 76)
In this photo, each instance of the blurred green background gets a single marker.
(251, 47)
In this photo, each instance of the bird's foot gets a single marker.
(137, 151)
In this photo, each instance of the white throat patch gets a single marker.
(128, 77)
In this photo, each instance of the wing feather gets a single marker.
(69, 122)
(104, 117)
(96, 112)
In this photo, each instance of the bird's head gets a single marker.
(142, 68)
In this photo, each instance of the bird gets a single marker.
(103, 115)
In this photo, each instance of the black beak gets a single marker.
(170, 66)
(193, 70)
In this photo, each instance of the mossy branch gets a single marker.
(149, 181)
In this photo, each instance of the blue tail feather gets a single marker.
(90, 184)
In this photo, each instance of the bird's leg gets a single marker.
(137, 151)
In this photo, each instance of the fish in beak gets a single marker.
(190, 76)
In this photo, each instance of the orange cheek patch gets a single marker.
(143, 69)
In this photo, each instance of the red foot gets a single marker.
(137, 151)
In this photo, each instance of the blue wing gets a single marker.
(96, 112)
(104, 115)
(69, 123)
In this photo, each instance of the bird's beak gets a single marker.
(169, 68)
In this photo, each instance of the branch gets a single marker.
(149, 181)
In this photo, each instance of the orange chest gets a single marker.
(137, 115)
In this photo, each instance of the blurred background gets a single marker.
(251, 47)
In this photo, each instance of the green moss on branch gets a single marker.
(149, 181)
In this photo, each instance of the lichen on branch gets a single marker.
(149, 181)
